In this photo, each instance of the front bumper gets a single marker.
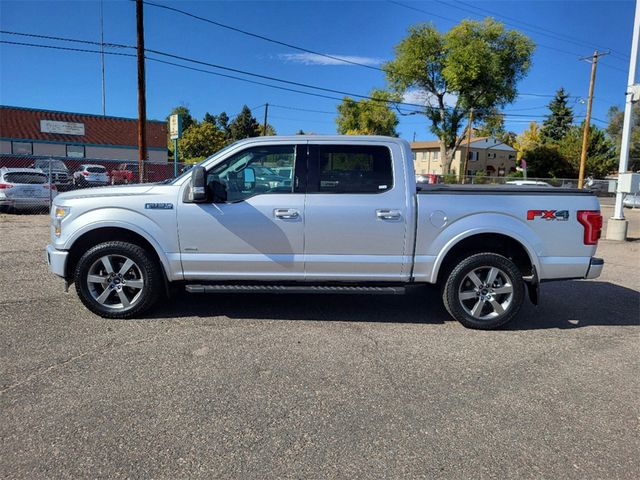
(595, 268)
(57, 260)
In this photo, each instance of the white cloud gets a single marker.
(315, 59)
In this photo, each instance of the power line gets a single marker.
(532, 27)
(550, 47)
(261, 37)
(157, 60)
(118, 45)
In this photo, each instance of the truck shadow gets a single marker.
(564, 305)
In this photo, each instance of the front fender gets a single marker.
(480, 223)
(161, 233)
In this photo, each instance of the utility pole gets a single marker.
(465, 164)
(104, 101)
(264, 126)
(587, 119)
(142, 101)
(617, 226)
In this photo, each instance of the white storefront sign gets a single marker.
(66, 128)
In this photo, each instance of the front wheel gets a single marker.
(484, 291)
(118, 280)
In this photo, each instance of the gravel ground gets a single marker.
(317, 386)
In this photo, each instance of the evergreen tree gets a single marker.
(559, 121)
(244, 125)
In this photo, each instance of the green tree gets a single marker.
(270, 129)
(492, 125)
(560, 120)
(200, 141)
(614, 130)
(601, 155)
(527, 140)
(544, 160)
(478, 63)
(367, 117)
(244, 125)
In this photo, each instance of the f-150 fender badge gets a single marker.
(158, 206)
(561, 215)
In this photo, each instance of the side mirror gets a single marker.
(197, 190)
(249, 178)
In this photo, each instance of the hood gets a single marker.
(95, 192)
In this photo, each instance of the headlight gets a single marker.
(59, 214)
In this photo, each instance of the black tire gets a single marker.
(105, 298)
(473, 301)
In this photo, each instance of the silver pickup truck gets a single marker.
(334, 214)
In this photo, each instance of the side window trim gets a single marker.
(313, 170)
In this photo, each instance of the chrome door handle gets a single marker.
(286, 213)
(388, 214)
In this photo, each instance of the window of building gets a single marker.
(354, 169)
(254, 171)
(22, 148)
(473, 156)
(75, 151)
(436, 155)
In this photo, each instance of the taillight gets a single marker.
(49, 186)
(86, 174)
(591, 220)
(4, 186)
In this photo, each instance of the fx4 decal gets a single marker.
(562, 215)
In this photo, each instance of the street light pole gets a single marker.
(617, 226)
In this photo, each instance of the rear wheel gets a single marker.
(484, 291)
(118, 280)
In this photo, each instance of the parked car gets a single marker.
(60, 175)
(528, 183)
(269, 178)
(90, 175)
(429, 178)
(124, 173)
(25, 189)
(354, 221)
(631, 201)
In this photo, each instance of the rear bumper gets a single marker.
(57, 260)
(595, 268)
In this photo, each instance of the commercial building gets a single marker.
(486, 154)
(29, 132)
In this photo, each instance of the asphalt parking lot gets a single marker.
(317, 386)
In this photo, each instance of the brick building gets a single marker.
(77, 137)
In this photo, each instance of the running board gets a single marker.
(294, 289)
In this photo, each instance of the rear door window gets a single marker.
(350, 169)
(26, 177)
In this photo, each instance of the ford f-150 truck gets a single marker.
(352, 220)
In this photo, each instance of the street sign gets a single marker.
(175, 126)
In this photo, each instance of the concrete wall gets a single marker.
(131, 154)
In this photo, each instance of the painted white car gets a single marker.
(528, 183)
(26, 189)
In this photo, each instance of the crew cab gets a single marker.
(352, 220)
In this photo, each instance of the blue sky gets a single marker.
(363, 31)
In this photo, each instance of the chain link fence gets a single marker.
(28, 183)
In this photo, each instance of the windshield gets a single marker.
(96, 169)
(55, 164)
